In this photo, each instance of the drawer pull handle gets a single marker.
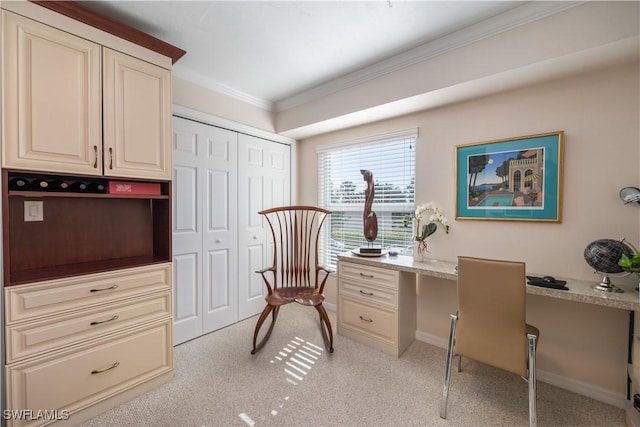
(105, 289)
(95, 163)
(365, 319)
(366, 293)
(99, 371)
(110, 157)
(96, 322)
(368, 276)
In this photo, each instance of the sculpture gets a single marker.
(369, 219)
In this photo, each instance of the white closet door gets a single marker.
(205, 229)
(220, 237)
(187, 232)
(264, 175)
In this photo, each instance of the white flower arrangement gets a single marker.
(433, 216)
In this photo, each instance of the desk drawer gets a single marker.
(371, 275)
(36, 300)
(27, 339)
(366, 293)
(370, 320)
(78, 377)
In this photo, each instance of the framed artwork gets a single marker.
(516, 179)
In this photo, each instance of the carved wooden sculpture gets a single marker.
(369, 219)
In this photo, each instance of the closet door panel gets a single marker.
(187, 323)
(187, 235)
(220, 293)
(206, 211)
(264, 174)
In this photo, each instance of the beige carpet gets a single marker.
(293, 381)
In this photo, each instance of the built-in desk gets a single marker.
(579, 290)
(362, 279)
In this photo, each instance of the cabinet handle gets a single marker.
(99, 371)
(368, 276)
(110, 157)
(105, 289)
(96, 322)
(366, 293)
(95, 163)
(366, 319)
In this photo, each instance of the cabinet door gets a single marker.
(137, 118)
(52, 99)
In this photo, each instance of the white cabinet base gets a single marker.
(377, 307)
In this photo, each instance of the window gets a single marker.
(391, 159)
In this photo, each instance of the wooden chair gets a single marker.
(295, 275)
(490, 325)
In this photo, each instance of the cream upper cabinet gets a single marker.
(137, 117)
(52, 104)
(74, 106)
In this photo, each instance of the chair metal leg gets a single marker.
(265, 313)
(325, 328)
(533, 416)
(447, 369)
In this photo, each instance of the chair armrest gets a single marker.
(323, 268)
(264, 270)
(326, 276)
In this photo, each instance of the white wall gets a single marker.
(599, 113)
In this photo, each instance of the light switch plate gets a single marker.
(33, 211)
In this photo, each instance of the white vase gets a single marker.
(420, 251)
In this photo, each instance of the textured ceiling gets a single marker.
(267, 51)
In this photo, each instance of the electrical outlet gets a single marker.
(33, 211)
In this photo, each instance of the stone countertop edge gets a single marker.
(581, 291)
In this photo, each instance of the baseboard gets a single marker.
(598, 393)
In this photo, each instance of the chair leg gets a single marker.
(325, 327)
(265, 313)
(533, 416)
(447, 369)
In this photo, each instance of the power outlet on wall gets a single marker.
(33, 211)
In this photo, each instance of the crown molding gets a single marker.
(509, 20)
(181, 71)
(199, 116)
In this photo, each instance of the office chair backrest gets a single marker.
(491, 313)
(296, 232)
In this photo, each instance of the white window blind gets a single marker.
(391, 159)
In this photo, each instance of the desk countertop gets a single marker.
(579, 290)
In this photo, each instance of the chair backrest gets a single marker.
(491, 326)
(296, 233)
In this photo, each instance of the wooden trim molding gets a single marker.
(87, 16)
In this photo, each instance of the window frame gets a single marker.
(396, 211)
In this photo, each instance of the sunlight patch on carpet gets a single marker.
(247, 419)
(299, 356)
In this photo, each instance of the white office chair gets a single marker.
(490, 326)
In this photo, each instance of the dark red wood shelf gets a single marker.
(82, 233)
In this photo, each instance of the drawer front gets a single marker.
(374, 321)
(370, 275)
(368, 293)
(81, 376)
(42, 299)
(27, 339)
